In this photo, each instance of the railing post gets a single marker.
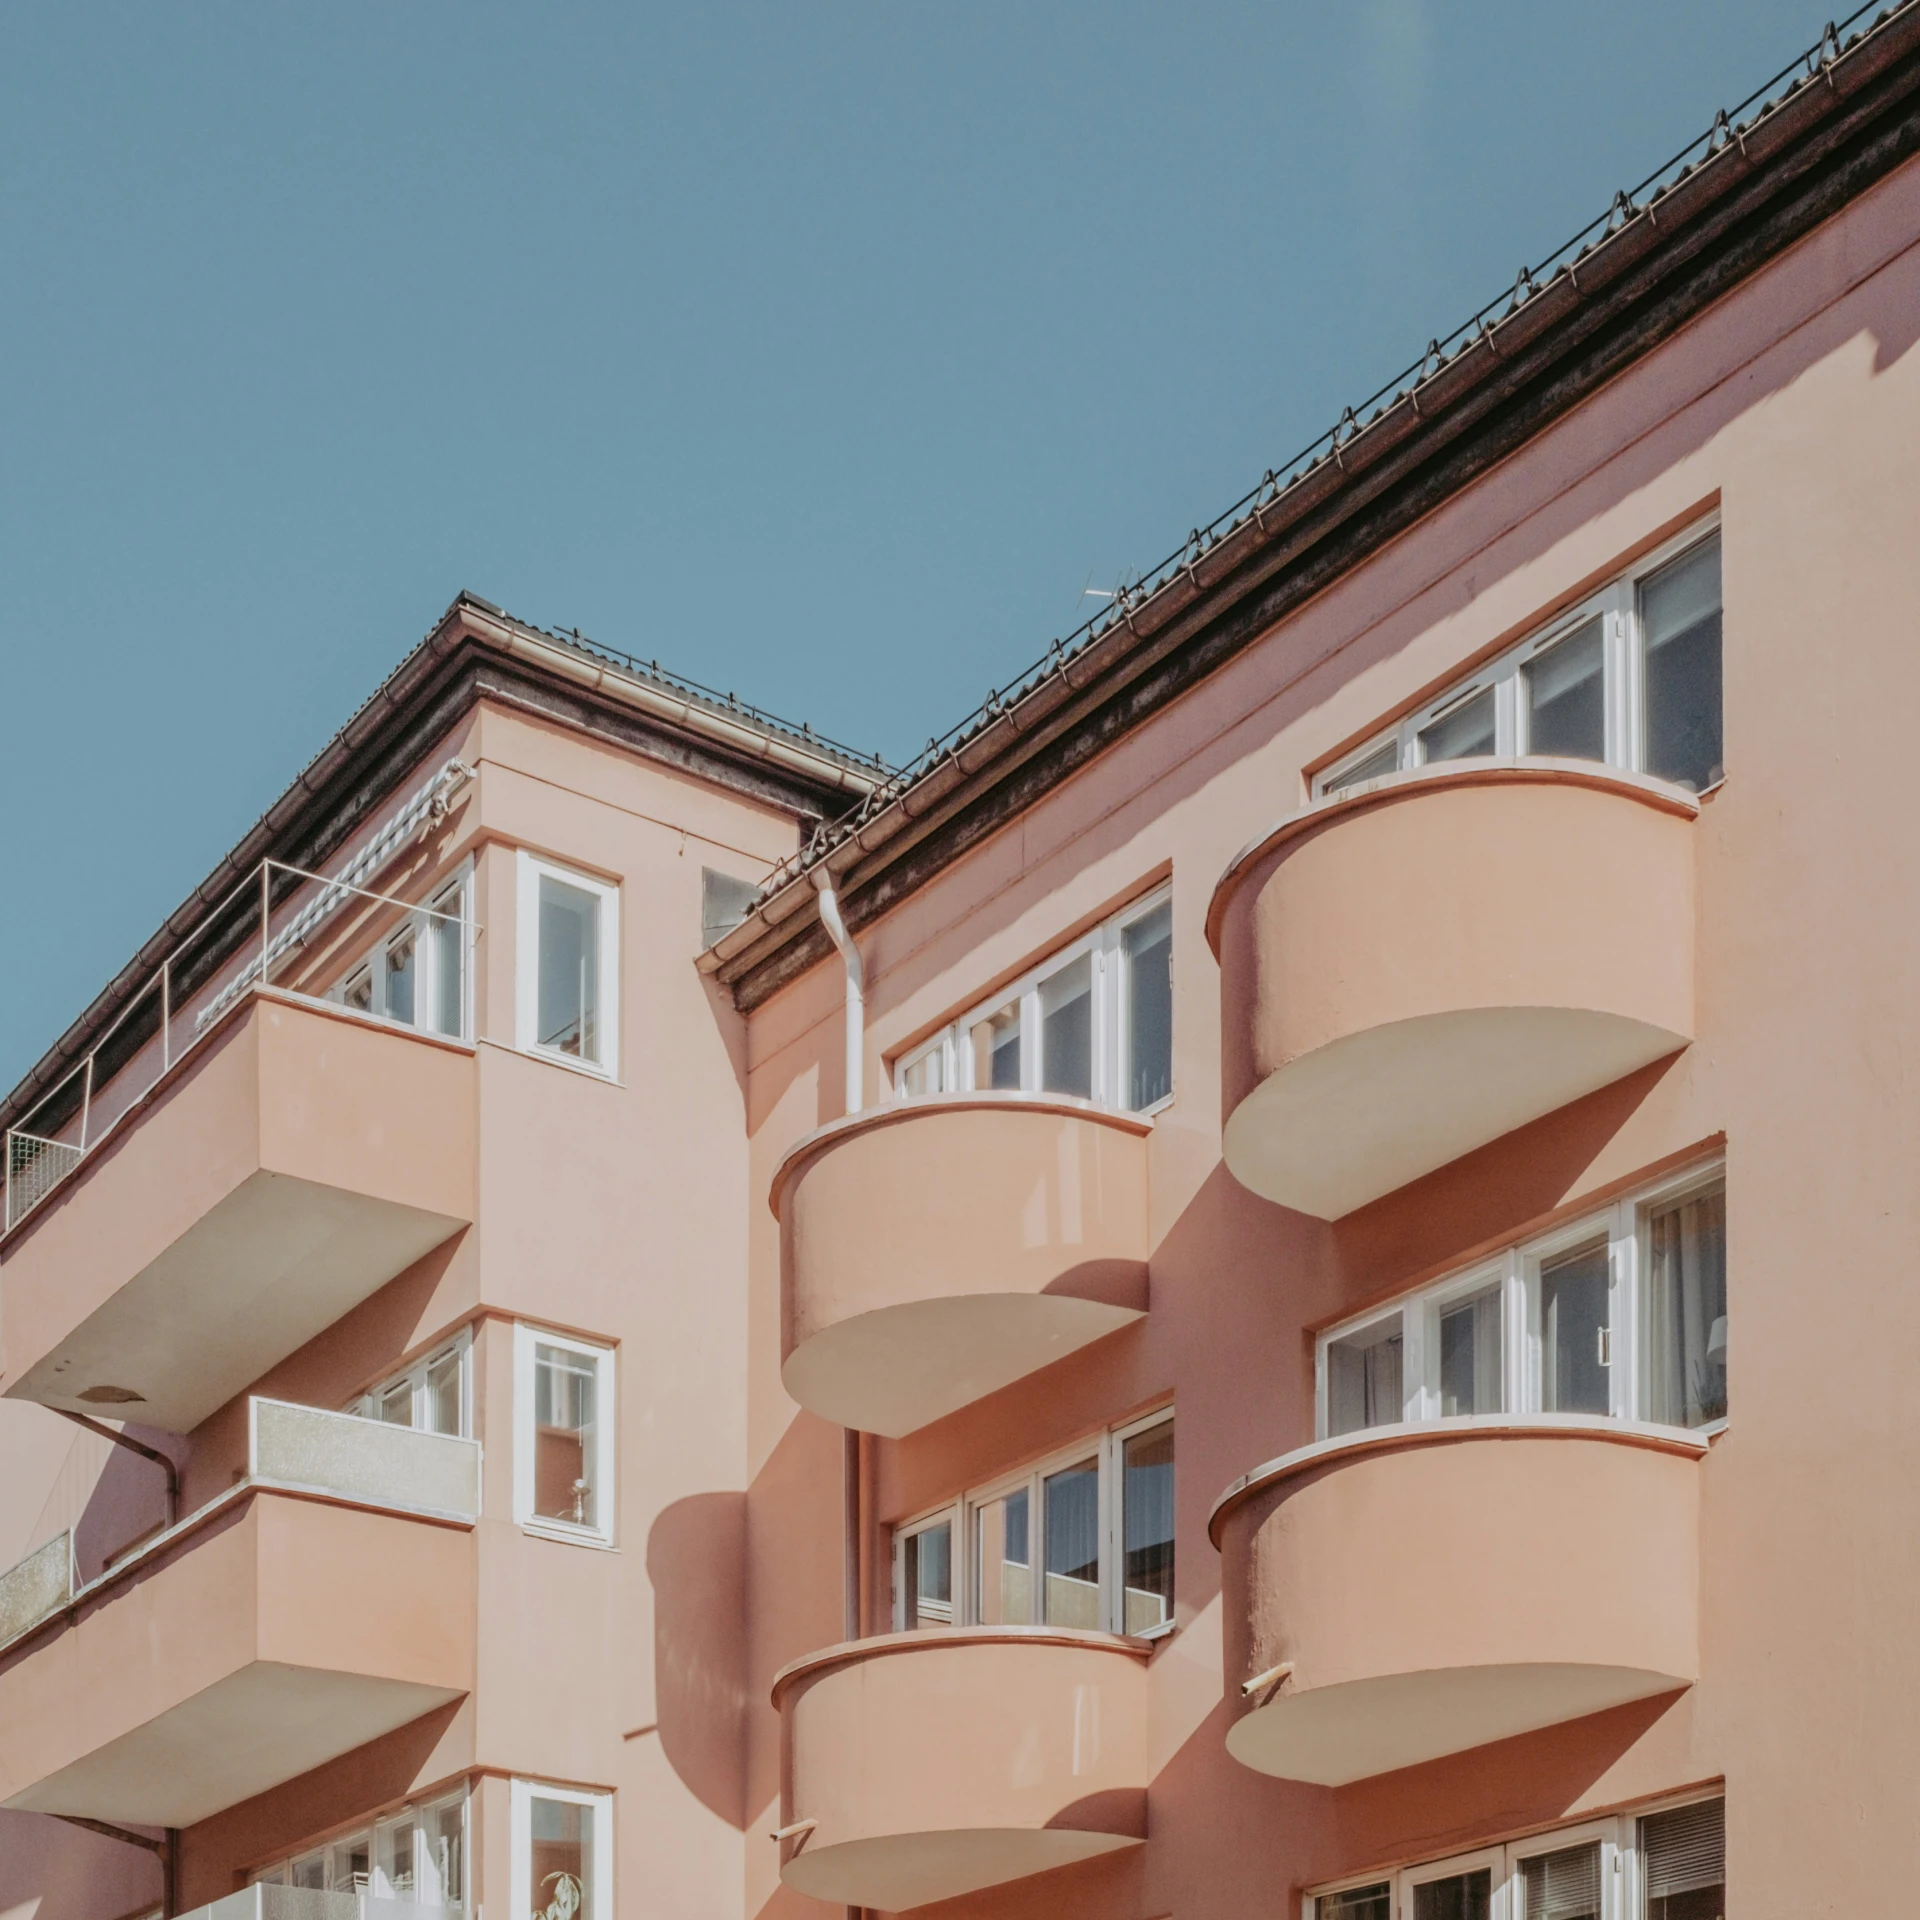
(86, 1102)
(266, 913)
(166, 1014)
(6, 1146)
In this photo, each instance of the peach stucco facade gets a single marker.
(788, 1519)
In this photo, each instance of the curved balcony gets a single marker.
(921, 1766)
(932, 1251)
(1413, 969)
(1414, 1591)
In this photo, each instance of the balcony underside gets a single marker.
(1365, 1114)
(1332, 1735)
(265, 1270)
(900, 1368)
(904, 1870)
(256, 1728)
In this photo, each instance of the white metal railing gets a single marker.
(267, 1902)
(350, 1457)
(65, 1125)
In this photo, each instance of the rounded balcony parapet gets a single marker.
(1432, 1433)
(1526, 770)
(878, 1646)
(924, 1105)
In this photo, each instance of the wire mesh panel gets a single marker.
(40, 1585)
(34, 1168)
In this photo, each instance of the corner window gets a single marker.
(1630, 677)
(432, 1395)
(1622, 1315)
(560, 1853)
(563, 1436)
(1094, 1021)
(567, 966)
(418, 975)
(1668, 1864)
(1084, 1540)
(418, 1854)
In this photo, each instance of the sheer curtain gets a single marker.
(1687, 1312)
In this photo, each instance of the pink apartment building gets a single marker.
(652, 1267)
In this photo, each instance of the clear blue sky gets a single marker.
(824, 351)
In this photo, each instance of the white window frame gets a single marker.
(530, 868)
(279, 1873)
(1111, 1066)
(364, 1405)
(1622, 1878)
(1617, 606)
(1625, 1225)
(526, 1336)
(452, 897)
(521, 1795)
(1106, 1449)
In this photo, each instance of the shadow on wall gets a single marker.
(51, 1871)
(697, 1562)
(128, 1501)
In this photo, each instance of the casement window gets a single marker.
(1668, 1864)
(1084, 1539)
(418, 1854)
(433, 1394)
(567, 966)
(1622, 1314)
(1094, 1020)
(560, 1853)
(1630, 677)
(563, 1436)
(418, 976)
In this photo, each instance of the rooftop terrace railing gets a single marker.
(306, 926)
(290, 1449)
(268, 1902)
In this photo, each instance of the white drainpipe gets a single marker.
(856, 985)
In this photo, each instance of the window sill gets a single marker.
(604, 1075)
(566, 1536)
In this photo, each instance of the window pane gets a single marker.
(564, 1465)
(562, 1850)
(394, 1404)
(1460, 1896)
(1687, 1312)
(1003, 1562)
(996, 1048)
(393, 1859)
(1364, 1386)
(1356, 1903)
(927, 1577)
(1072, 1506)
(1563, 1885)
(1066, 1029)
(1573, 1315)
(1470, 1370)
(1468, 729)
(1566, 710)
(1684, 1852)
(447, 938)
(358, 992)
(1146, 1525)
(926, 1074)
(569, 987)
(310, 1871)
(1148, 947)
(350, 1864)
(1680, 620)
(443, 1393)
(1376, 766)
(439, 1855)
(402, 972)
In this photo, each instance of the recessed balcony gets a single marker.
(295, 1163)
(921, 1766)
(1414, 1591)
(1414, 968)
(325, 1601)
(935, 1250)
